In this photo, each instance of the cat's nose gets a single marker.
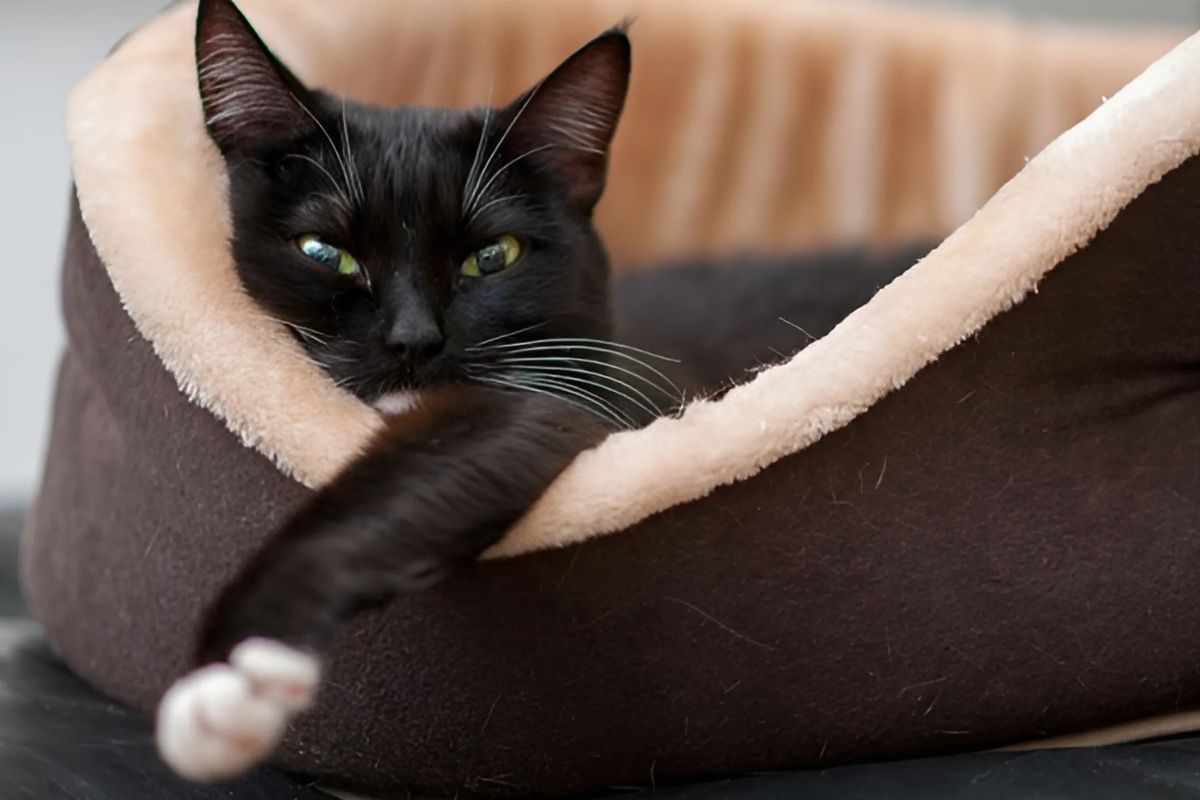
(414, 340)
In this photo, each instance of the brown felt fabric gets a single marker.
(142, 486)
(1002, 550)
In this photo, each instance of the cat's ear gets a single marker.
(567, 121)
(251, 101)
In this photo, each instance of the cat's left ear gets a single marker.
(251, 100)
(567, 121)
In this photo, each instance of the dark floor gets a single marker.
(11, 602)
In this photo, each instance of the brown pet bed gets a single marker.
(964, 519)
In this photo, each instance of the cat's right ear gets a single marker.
(252, 102)
(567, 122)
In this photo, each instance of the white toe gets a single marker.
(283, 673)
(223, 719)
(199, 743)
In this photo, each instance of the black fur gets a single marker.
(439, 486)
(725, 318)
(298, 175)
(396, 189)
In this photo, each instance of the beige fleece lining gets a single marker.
(152, 192)
(1062, 198)
(1137, 731)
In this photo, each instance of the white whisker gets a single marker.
(475, 194)
(342, 197)
(593, 379)
(521, 387)
(517, 332)
(328, 138)
(472, 180)
(490, 203)
(356, 179)
(591, 348)
(308, 335)
(561, 388)
(483, 192)
(569, 340)
(549, 361)
(576, 391)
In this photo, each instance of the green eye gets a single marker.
(333, 257)
(494, 258)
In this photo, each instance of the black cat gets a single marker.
(443, 261)
(442, 258)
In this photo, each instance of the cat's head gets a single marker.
(394, 242)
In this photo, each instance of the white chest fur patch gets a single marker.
(397, 402)
(223, 719)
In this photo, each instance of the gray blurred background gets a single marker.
(45, 47)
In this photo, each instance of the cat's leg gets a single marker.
(437, 488)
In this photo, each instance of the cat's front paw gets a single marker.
(223, 719)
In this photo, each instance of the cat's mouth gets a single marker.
(374, 377)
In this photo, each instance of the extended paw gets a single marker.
(223, 719)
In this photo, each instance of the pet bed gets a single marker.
(964, 519)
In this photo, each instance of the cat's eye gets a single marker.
(329, 255)
(497, 256)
